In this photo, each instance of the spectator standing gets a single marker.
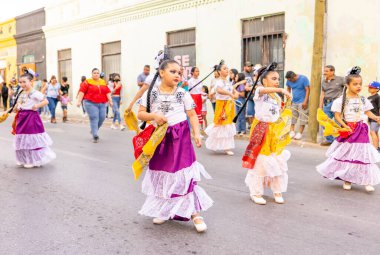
(248, 73)
(239, 85)
(299, 86)
(4, 95)
(13, 89)
(374, 98)
(332, 88)
(116, 93)
(53, 94)
(142, 77)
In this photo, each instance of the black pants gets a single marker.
(5, 101)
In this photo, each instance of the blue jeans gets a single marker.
(116, 109)
(250, 108)
(240, 123)
(327, 110)
(97, 115)
(52, 105)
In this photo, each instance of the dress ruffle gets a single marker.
(362, 152)
(183, 206)
(37, 157)
(362, 174)
(220, 137)
(256, 183)
(163, 184)
(32, 141)
(272, 165)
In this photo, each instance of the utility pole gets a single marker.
(316, 67)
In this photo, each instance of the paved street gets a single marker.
(86, 202)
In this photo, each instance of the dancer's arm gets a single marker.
(148, 116)
(194, 122)
(137, 97)
(268, 90)
(338, 117)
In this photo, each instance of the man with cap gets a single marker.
(332, 88)
(374, 98)
(299, 86)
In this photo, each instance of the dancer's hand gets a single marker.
(287, 94)
(35, 107)
(160, 119)
(198, 140)
(129, 108)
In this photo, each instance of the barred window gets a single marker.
(263, 41)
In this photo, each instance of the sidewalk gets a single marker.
(78, 119)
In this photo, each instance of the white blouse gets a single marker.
(266, 107)
(27, 101)
(226, 86)
(191, 83)
(354, 108)
(172, 106)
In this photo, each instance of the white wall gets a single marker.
(142, 30)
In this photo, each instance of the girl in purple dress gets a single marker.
(351, 157)
(31, 142)
(171, 180)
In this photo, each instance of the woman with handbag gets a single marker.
(221, 133)
(53, 93)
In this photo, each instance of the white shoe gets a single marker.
(158, 221)
(230, 153)
(292, 134)
(122, 127)
(369, 188)
(113, 126)
(18, 164)
(346, 185)
(298, 136)
(28, 166)
(278, 199)
(200, 227)
(259, 200)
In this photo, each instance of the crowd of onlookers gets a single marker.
(297, 84)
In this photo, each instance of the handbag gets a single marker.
(141, 139)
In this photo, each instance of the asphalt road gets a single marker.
(87, 202)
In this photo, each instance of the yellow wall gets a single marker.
(8, 50)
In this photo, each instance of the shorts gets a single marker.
(374, 126)
(204, 113)
(64, 107)
(250, 110)
(299, 113)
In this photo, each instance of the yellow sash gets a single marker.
(131, 121)
(149, 149)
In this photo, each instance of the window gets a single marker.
(28, 59)
(111, 58)
(263, 41)
(181, 46)
(64, 68)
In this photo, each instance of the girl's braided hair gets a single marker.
(353, 73)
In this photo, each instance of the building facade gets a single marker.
(122, 37)
(8, 51)
(31, 44)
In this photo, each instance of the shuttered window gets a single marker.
(111, 58)
(65, 67)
